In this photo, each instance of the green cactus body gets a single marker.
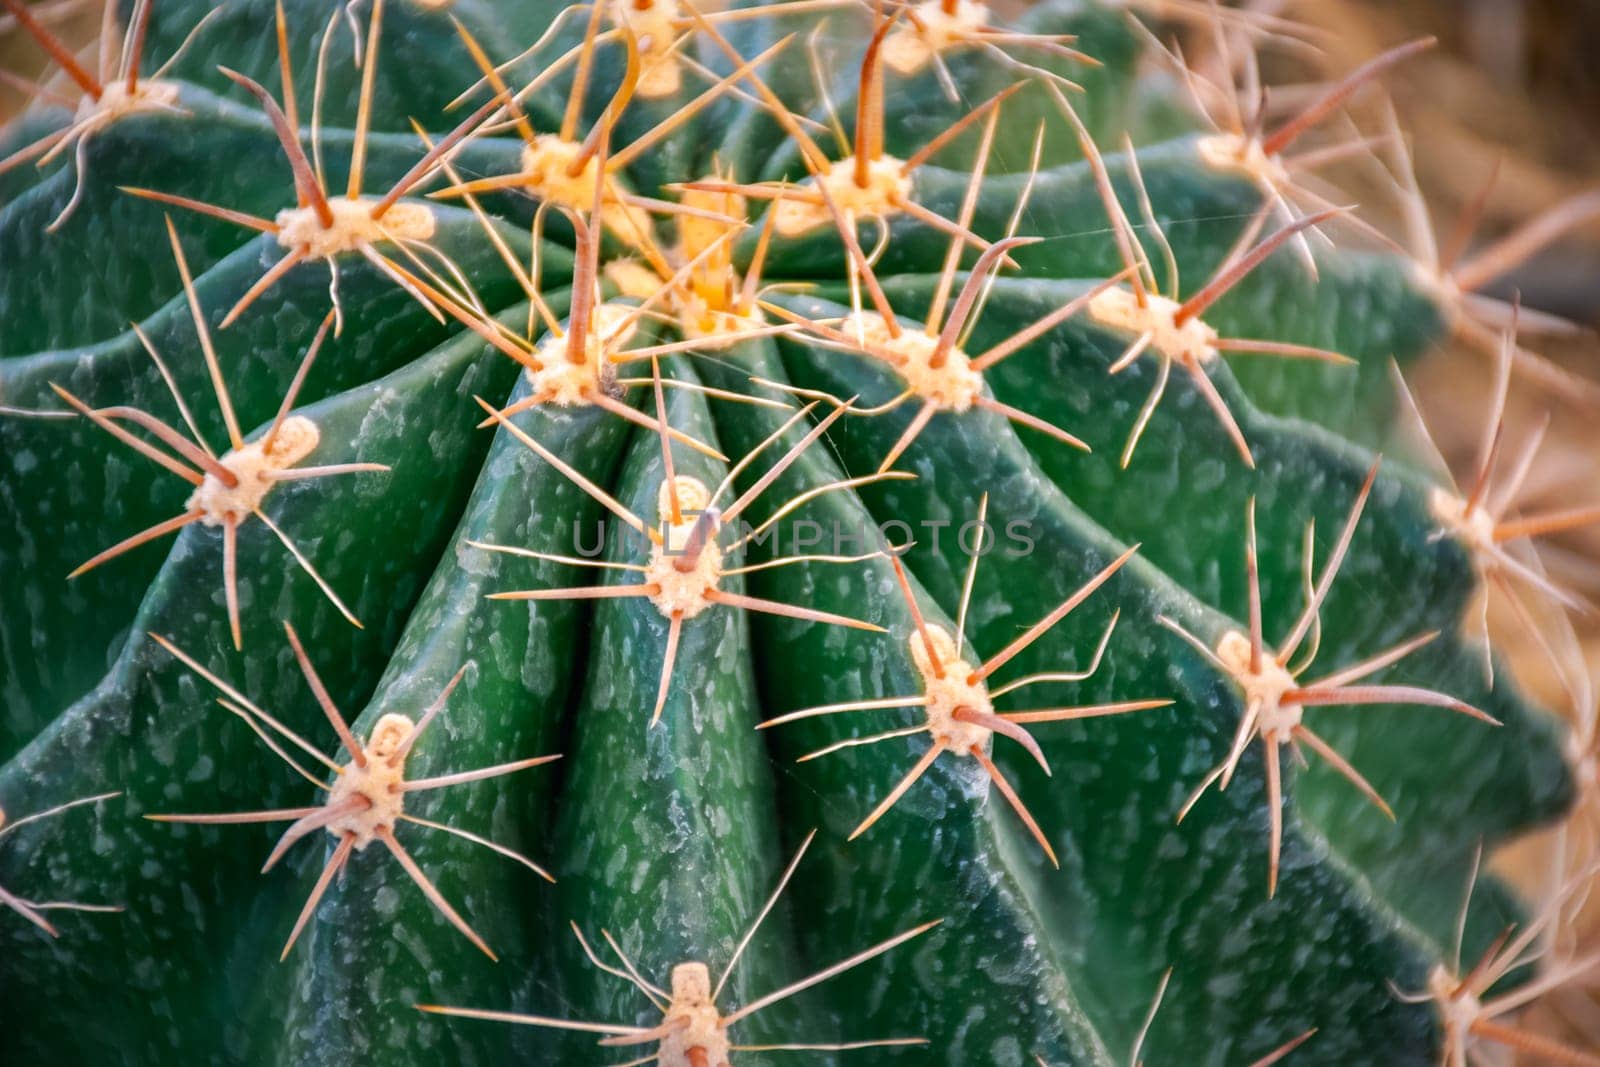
(671, 835)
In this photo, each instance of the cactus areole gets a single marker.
(858, 461)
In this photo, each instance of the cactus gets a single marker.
(761, 409)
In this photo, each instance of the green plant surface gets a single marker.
(671, 836)
(1356, 625)
(56, 645)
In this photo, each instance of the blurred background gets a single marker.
(1514, 84)
(1513, 87)
(1512, 92)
